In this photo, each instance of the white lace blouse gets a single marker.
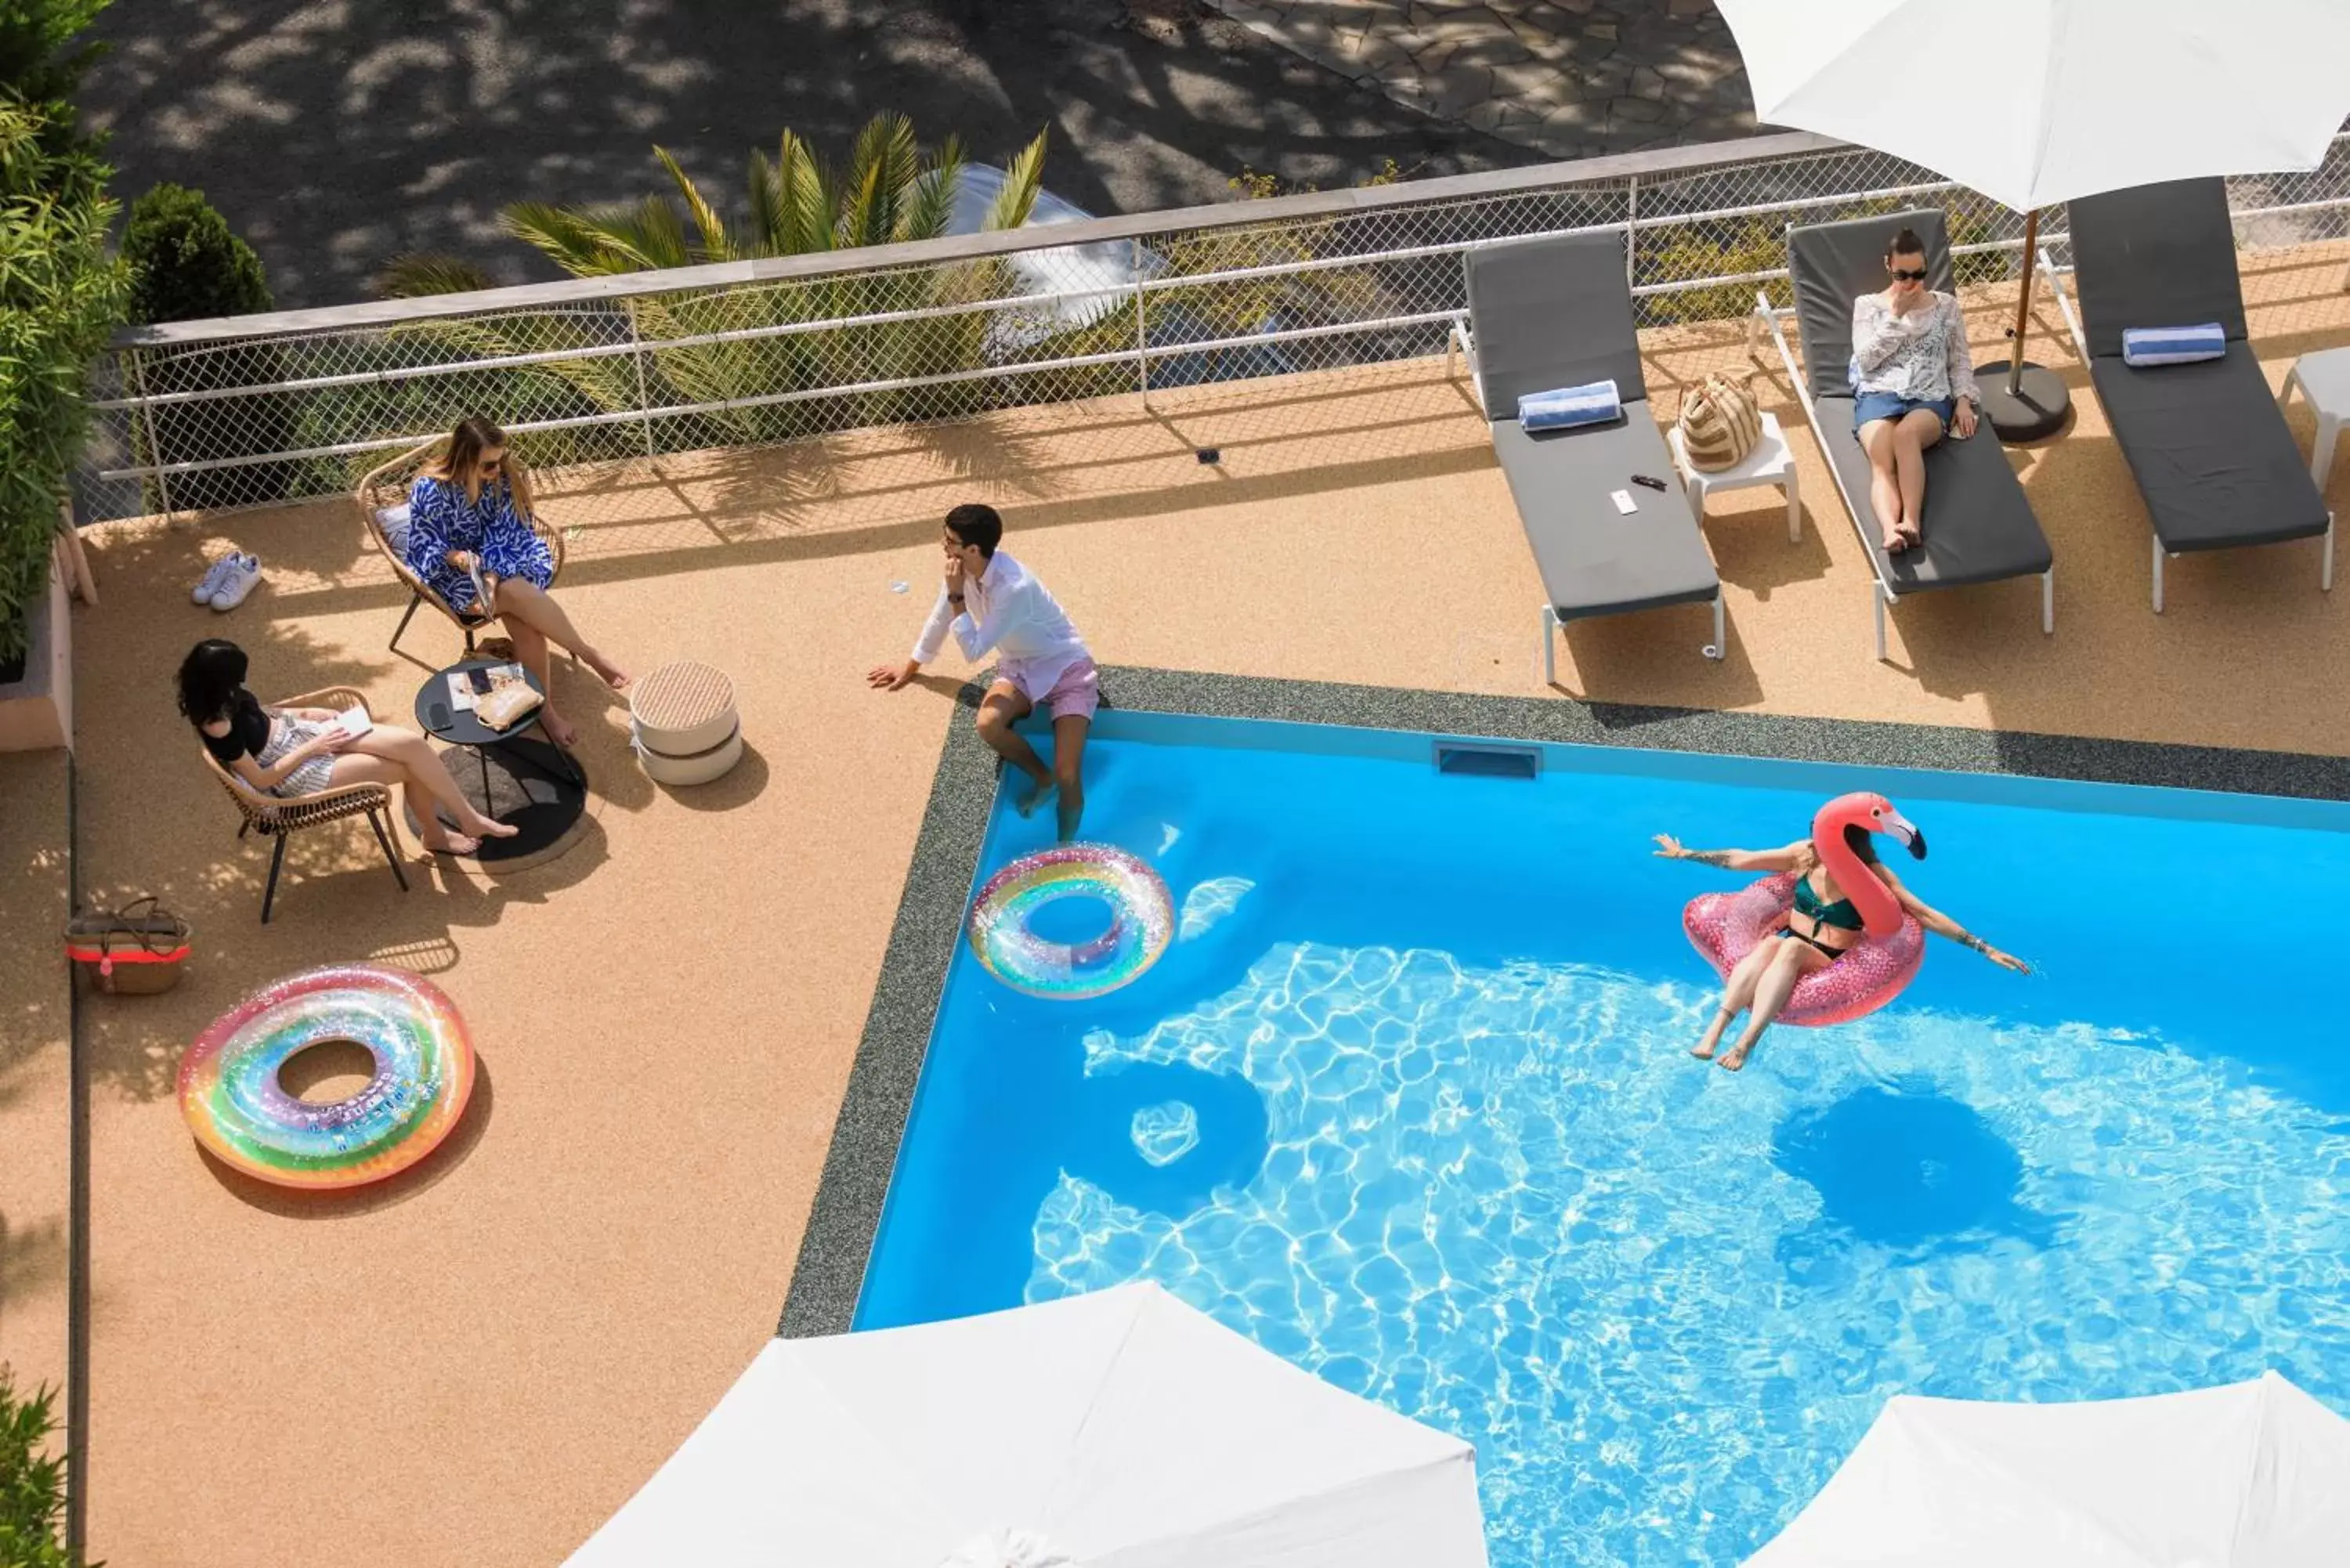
(1922, 355)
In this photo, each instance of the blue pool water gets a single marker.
(1409, 1102)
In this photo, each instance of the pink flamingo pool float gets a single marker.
(1725, 926)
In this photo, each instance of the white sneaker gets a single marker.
(243, 571)
(213, 578)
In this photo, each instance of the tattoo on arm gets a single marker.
(1710, 856)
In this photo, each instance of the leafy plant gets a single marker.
(32, 1483)
(890, 191)
(41, 54)
(187, 265)
(60, 299)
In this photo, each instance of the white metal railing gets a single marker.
(253, 410)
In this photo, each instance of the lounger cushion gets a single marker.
(1595, 560)
(1978, 527)
(2214, 459)
(1832, 265)
(393, 521)
(2153, 256)
(1552, 313)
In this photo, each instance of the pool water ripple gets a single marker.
(1665, 1300)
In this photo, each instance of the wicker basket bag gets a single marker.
(1720, 425)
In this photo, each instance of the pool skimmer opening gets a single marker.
(1487, 760)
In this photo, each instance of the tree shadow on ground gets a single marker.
(338, 137)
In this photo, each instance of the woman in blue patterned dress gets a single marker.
(468, 515)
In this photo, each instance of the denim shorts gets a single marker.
(1893, 406)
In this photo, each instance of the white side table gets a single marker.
(1769, 464)
(2324, 379)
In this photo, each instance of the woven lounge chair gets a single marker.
(1551, 313)
(383, 500)
(281, 816)
(1978, 527)
(2206, 441)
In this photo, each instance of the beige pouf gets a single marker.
(683, 724)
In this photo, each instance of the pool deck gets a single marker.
(479, 1361)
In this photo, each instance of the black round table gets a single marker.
(539, 788)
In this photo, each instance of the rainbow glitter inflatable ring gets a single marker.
(1142, 921)
(234, 1103)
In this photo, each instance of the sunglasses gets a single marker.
(1906, 274)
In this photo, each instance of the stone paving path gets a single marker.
(1570, 79)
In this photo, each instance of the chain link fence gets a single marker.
(227, 414)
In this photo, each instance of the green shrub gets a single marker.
(60, 299)
(32, 1483)
(42, 56)
(187, 265)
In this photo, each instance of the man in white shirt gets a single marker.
(989, 601)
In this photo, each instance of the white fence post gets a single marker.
(644, 399)
(1141, 321)
(1632, 232)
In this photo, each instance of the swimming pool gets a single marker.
(1409, 1102)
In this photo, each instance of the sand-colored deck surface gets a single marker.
(477, 1363)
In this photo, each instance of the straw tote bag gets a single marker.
(135, 951)
(1720, 425)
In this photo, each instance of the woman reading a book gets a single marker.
(301, 750)
(469, 537)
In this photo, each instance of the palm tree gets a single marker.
(890, 192)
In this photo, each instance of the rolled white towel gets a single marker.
(1597, 404)
(2149, 346)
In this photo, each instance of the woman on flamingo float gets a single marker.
(1832, 896)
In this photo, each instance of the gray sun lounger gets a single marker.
(1978, 527)
(2206, 441)
(1551, 313)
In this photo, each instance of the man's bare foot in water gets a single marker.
(1704, 1049)
(1027, 802)
(1737, 1054)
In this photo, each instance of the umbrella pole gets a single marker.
(2023, 303)
(2020, 400)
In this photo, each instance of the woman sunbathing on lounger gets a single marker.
(1915, 382)
(469, 523)
(301, 750)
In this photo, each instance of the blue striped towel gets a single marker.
(2173, 345)
(1595, 404)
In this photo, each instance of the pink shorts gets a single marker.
(1076, 695)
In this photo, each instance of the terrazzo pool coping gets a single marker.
(839, 1241)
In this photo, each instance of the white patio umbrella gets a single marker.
(2249, 1475)
(1121, 1430)
(2034, 102)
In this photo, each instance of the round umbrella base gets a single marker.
(2035, 413)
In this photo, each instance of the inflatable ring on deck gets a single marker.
(234, 1103)
(1142, 921)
